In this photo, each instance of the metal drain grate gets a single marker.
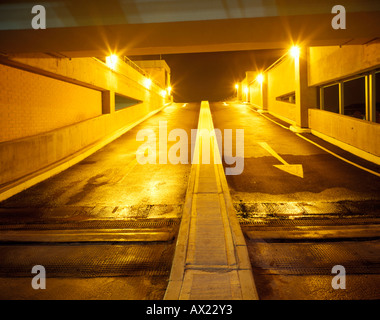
(257, 209)
(93, 224)
(88, 261)
(314, 258)
(307, 222)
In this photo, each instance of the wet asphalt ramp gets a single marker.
(105, 228)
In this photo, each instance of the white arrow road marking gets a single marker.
(294, 169)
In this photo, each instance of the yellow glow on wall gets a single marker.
(236, 86)
(295, 51)
(163, 93)
(260, 78)
(246, 90)
(111, 61)
(169, 89)
(147, 83)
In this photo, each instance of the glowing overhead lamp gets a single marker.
(260, 78)
(147, 83)
(295, 51)
(111, 61)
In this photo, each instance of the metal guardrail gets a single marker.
(142, 71)
(135, 66)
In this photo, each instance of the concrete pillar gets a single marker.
(341, 98)
(244, 91)
(239, 91)
(250, 77)
(371, 97)
(264, 92)
(108, 102)
(306, 97)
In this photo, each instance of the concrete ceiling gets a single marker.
(142, 27)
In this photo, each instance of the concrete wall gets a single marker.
(70, 106)
(360, 134)
(244, 94)
(281, 81)
(255, 94)
(303, 75)
(26, 112)
(95, 74)
(158, 71)
(278, 81)
(327, 64)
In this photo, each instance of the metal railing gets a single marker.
(139, 69)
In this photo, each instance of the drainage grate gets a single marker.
(307, 222)
(341, 208)
(88, 261)
(93, 224)
(314, 258)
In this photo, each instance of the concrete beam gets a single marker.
(193, 36)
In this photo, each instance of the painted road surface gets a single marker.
(303, 210)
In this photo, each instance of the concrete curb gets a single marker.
(239, 266)
(347, 147)
(32, 179)
(297, 129)
(177, 273)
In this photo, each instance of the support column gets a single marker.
(264, 92)
(371, 97)
(250, 77)
(306, 97)
(108, 102)
(341, 98)
(239, 93)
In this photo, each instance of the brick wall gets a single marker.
(31, 104)
(47, 119)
